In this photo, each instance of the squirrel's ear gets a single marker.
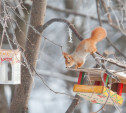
(65, 53)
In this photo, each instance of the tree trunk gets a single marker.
(20, 101)
(21, 36)
(3, 101)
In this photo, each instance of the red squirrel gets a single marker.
(85, 47)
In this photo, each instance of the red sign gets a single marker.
(6, 59)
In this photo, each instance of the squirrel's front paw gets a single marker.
(76, 67)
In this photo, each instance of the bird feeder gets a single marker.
(99, 93)
(10, 67)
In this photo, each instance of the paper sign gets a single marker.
(98, 94)
(10, 67)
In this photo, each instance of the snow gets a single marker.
(122, 74)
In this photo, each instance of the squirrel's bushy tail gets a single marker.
(98, 34)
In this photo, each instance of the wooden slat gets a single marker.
(95, 74)
(115, 86)
(119, 89)
(113, 80)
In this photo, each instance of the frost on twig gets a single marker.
(116, 62)
(70, 35)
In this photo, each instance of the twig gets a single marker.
(57, 75)
(115, 47)
(106, 70)
(115, 62)
(41, 78)
(105, 101)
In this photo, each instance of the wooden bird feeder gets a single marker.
(98, 92)
(10, 67)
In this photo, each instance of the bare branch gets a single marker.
(107, 11)
(111, 75)
(42, 28)
(67, 11)
(57, 75)
(73, 104)
(56, 92)
(115, 62)
(115, 47)
(97, 6)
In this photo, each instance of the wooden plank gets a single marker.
(119, 89)
(99, 79)
(95, 74)
(99, 91)
(115, 86)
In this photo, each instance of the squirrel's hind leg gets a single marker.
(94, 50)
(91, 50)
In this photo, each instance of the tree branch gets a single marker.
(106, 70)
(115, 47)
(73, 104)
(42, 28)
(67, 11)
(97, 6)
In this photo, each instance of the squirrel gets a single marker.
(85, 47)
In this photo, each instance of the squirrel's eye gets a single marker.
(68, 62)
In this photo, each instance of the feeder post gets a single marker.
(97, 83)
(120, 88)
(106, 77)
(79, 78)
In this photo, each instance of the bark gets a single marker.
(73, 104)
(20, 101)
(3, 101)
(21, 36)
(69, 4)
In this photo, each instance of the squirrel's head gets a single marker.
(68, 60)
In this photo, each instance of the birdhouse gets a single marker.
(10, 67)
(98, 92)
